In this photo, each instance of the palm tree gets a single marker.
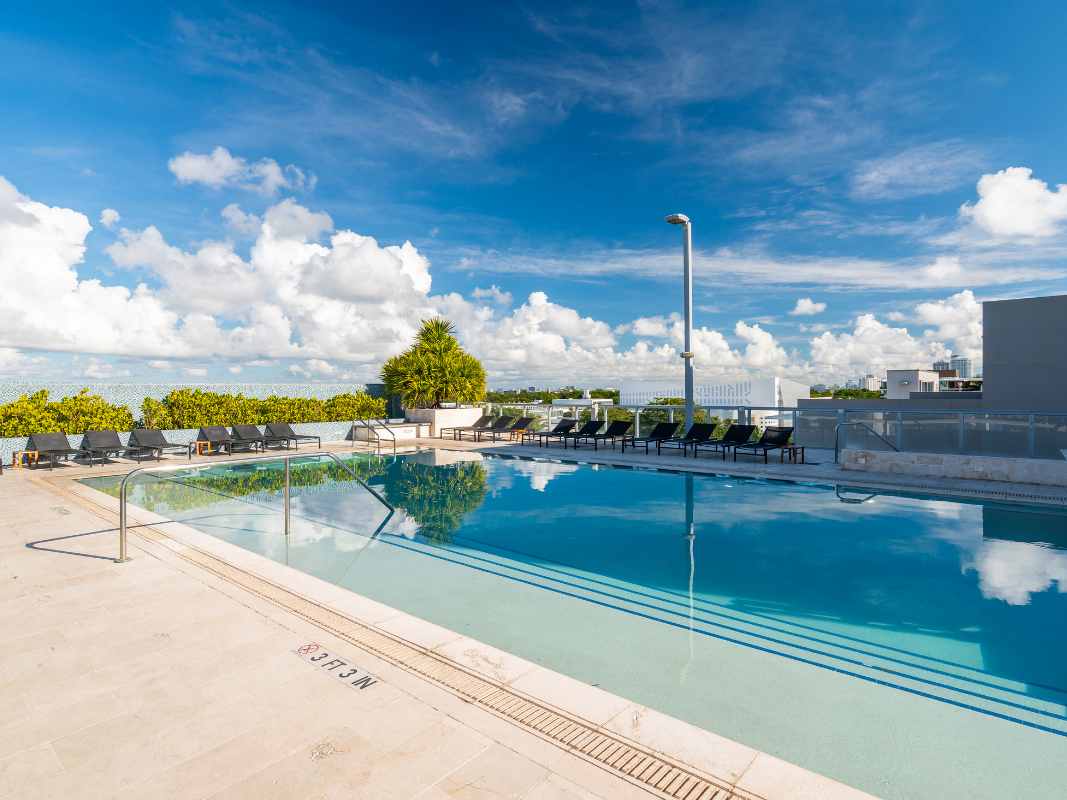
(435, 369)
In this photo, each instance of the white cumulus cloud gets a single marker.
(806, 307)
(219, 169)
(493, 295)
(108, 218)
(1011, 203)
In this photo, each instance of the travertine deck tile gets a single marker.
(495, 772)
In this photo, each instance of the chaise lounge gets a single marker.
(698, 432)
(772, 439)
(662, 432)
(616, 430)
(590, 428)
(248, 433)
(282, 430)
(499, 424)
(563, 427)
(54, 445)
(104, 443)
(481, 423)
(519, 427)
(735, 435)
(153, 440)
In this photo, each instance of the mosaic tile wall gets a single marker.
(133, 394)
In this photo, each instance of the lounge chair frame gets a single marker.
(735, 435)
(283, 429)
(499, 424)
(662, 431)
(484, 421)
(51, 444)
(616, 431)
(563, 427)
(772, 439)
(590, 428)
(103, 442)
(699, 432)
(264, 439)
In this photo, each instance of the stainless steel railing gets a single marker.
(369, 427)
(837, 449)
(176, 467)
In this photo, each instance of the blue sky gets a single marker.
(828, 154)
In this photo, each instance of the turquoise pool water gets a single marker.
(911, 647)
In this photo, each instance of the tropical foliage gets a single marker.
(438, 497)
(83, 412)
(435, 369)
(192, 408)
(182, 408)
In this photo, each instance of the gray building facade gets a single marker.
(1024, 360)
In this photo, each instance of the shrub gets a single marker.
(71, 415)
(193, 408)
(435, 369)
(182, 408)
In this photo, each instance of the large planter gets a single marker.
(440, 418)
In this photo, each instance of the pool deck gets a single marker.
(175, 676)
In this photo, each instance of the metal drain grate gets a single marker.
(636, 764)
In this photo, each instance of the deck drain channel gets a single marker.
(635, 763)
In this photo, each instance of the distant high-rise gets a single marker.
(942, 365)
(963, 365)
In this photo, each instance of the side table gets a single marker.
(31, 455)
(792, 450)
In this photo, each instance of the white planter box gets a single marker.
(415, 430)
(439, 418)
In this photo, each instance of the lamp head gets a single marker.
(677, 219)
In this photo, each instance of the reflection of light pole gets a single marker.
(687, 354)
(692, 562)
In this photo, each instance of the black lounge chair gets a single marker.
(521, 427)
(616, 430)
(153, 440)
(54, 445)
(772, 439)
(590, 428)
(662, 432)
(499, 424)
(282, 430)
(563, 427)
(249, 433)
(217, 436)
(735, 435)
(699, 432)
(481, 423)
(103, 443)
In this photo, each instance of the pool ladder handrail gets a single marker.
(376, 436)
(840, 425)
(176, 467)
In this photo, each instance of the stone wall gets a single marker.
(983, 468)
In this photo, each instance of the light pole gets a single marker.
(687, 354)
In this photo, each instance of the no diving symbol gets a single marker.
(308, 648)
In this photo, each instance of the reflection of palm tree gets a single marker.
(438, 497)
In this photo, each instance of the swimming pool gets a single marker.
(907, 646)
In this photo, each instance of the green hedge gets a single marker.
(191, 408)
(182, 408)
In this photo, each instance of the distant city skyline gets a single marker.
(282, 192)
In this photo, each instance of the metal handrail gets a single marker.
(376, 436)
(840, 425)
(176, 467)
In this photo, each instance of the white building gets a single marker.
(870, 383)
(900, 383)
(759, 392)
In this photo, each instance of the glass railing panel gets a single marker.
(1001, 435)
(1050, 435)
(815, 427)
(930, 432)
(856, 438)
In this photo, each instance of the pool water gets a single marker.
(911, 647)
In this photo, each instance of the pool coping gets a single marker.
(647, 748)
